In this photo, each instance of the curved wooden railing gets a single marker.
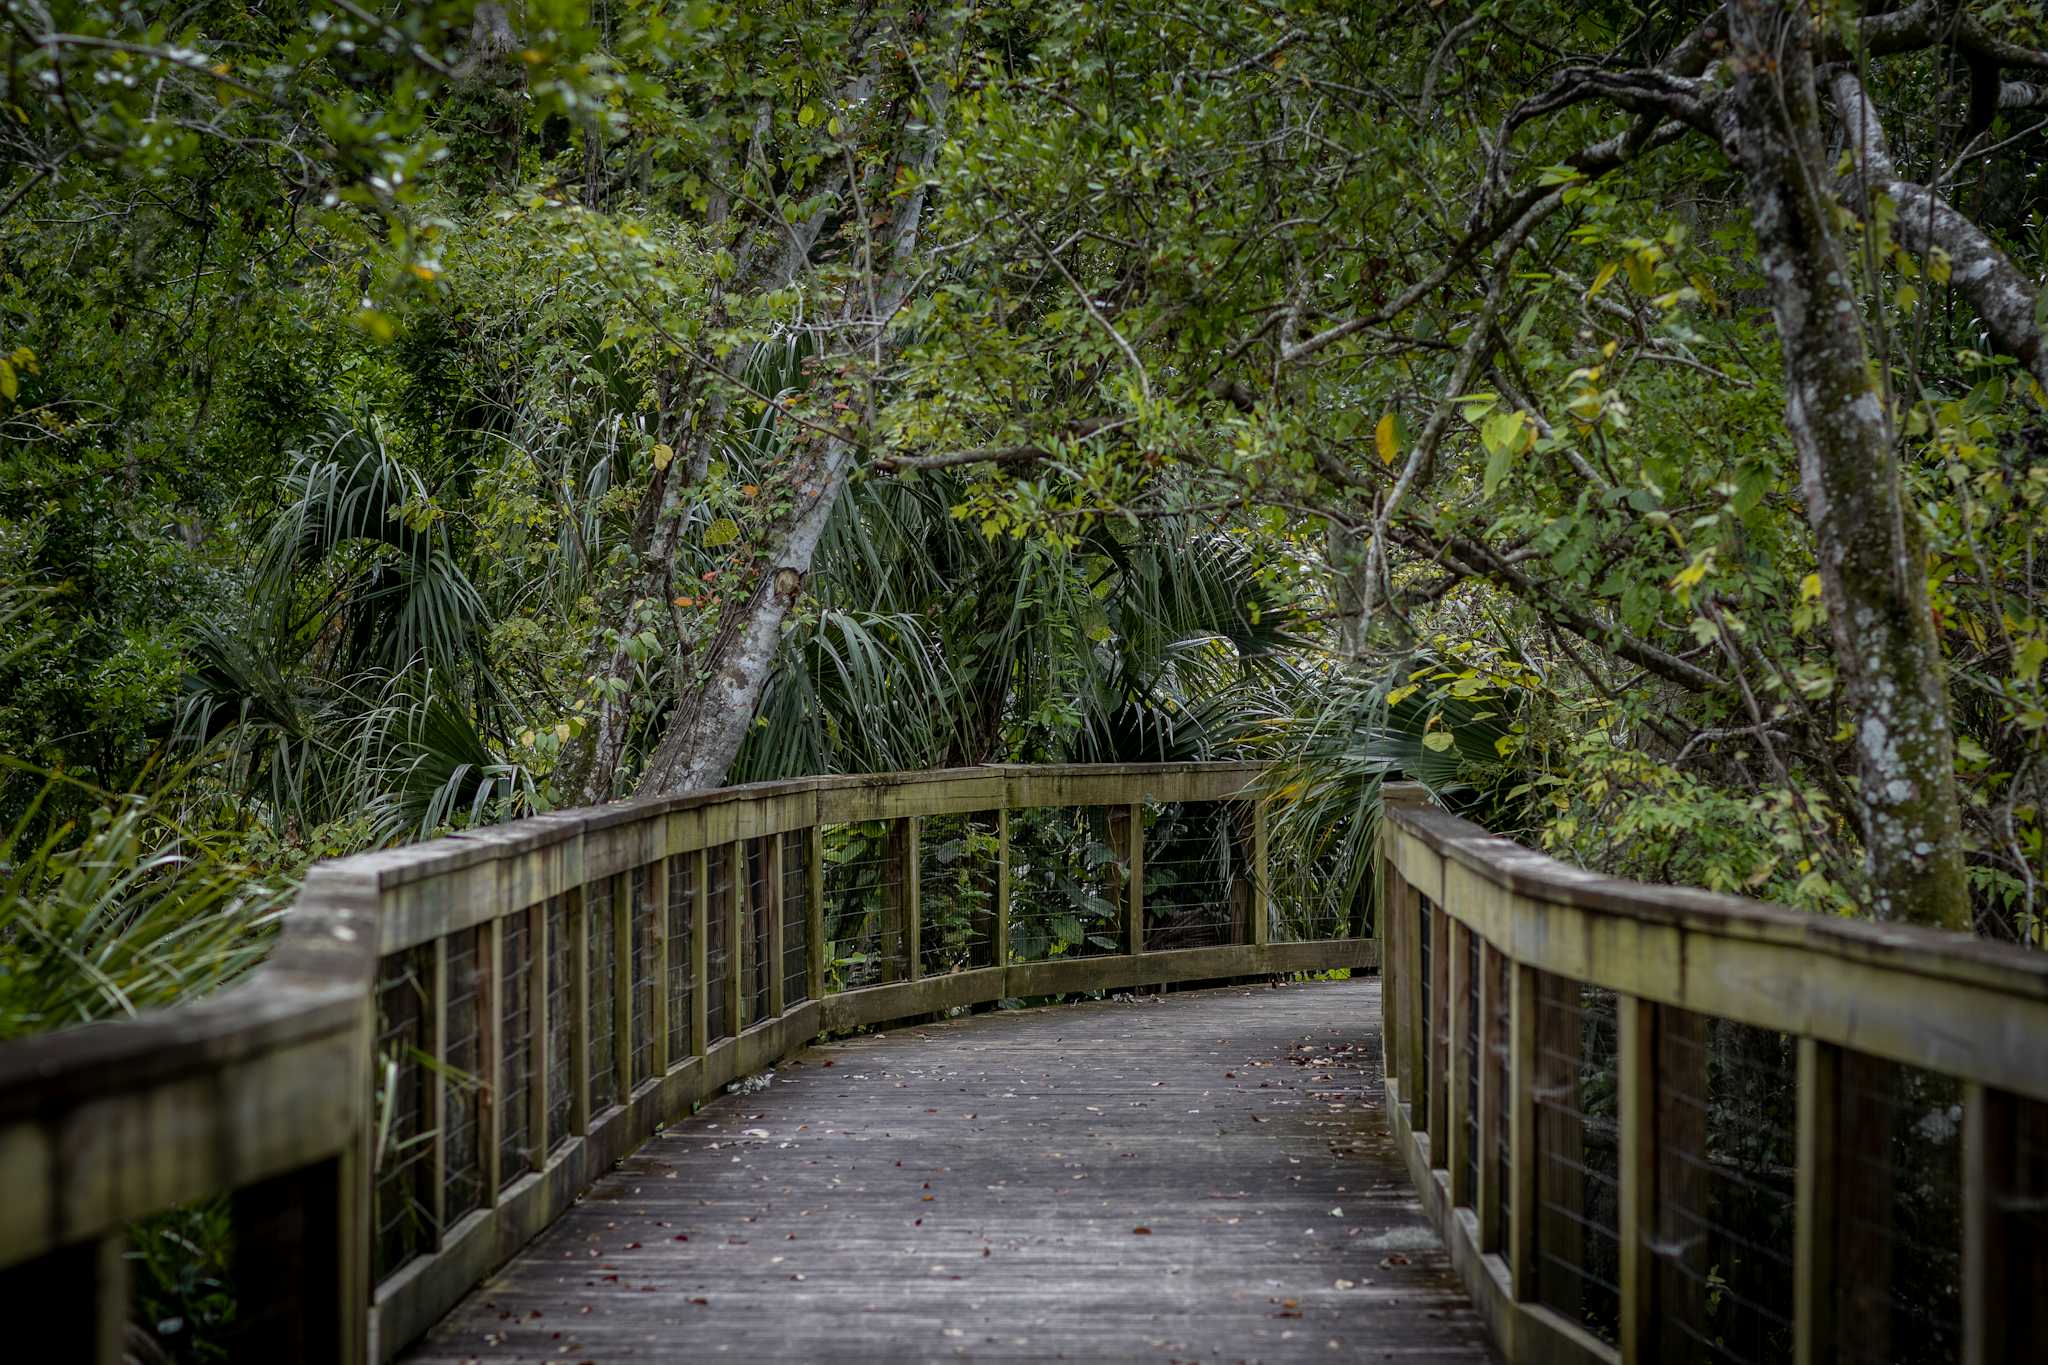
(453, 1040)
(1657, 1124)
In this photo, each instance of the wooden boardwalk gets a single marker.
(1203, 1176)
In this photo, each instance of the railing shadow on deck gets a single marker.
(1657, 1124)
(453, 1040)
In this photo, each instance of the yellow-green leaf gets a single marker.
(1436, 741)
(1600, 280)
(1383, 437)
(1809, 588)
(724, 531)
(663, 453)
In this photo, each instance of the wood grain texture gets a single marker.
(973, 1191)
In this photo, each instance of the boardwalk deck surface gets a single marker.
(1203, 1176)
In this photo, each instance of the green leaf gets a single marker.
(1436, 741)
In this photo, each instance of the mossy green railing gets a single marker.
(453, 1040)
(1657, 1124)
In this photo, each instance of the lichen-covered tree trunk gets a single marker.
(1888, 660)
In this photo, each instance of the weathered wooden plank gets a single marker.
(1050, 1183)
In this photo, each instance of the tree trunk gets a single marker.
(1886, 655)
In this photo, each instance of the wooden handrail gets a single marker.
(452, 1040)
(1535, 1139)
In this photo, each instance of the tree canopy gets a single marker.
(1627, 415)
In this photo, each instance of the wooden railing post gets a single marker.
(777, 1001)
(913, 898)
(537, 1035)
(437, 1092)
(1813, 1268)
(1134, 891)
(814, 912)
(2005, 1214)
(1001, 951)
(1636, 1080)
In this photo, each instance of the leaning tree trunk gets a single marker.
(1874, 583)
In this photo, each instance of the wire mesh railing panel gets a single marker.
(405, 1148)
(462, 1060)
(1726, 1117)
(718, 945)
(682, 974)
(957, 861)
(1068, 869)
(1198, 874)
(515, 1065)
(1323, 882)
(796, 920)
(1898, 1261)
(758, 963)
(1469, 1143)
(645, 923)
(561, 1040)
(1578, 1193)
(602, 924)
(864, 902)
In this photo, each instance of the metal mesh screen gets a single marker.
(958, 856)
(1726, 1117)
(1898, 1263)
(463, 1054)
(646, 930)
(1068, 867)
(682, 977)
(404, 1220)
(604, 976)
(1577, 1191)
(758, 964)
(864, 892)
(515, 1023)
(1198, 878)
(561, 1023)
(717, 942)
(1324, 884)
(796, 920)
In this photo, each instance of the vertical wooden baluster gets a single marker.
(491, 986)
(2005, 1214)
(1392, 980)
(1261, 926)
(1521, 1116)
(657, 895)
(1439, 1034)
(1449, 1146)
(1002, 944)
(1492, 1116)
(1134, 897)
(579, 1009)
(776, 993)
(700, 951)
(736, 936)
(1414, 1020)
(537, 1034)
(1813, 1271)
(913, 898)
(1636, 1079)
(814, 910)
(622, 986)
(437, 1094)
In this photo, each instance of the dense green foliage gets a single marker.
(408, 413)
